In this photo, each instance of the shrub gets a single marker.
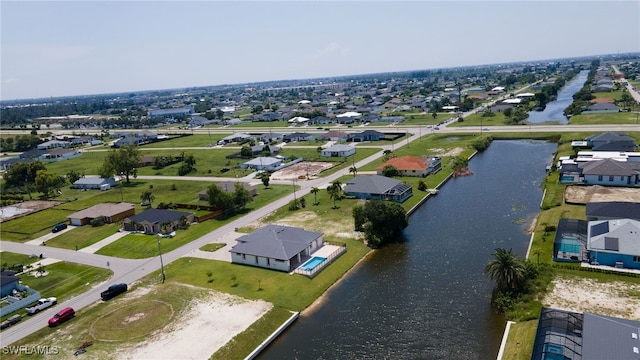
(99, 221)
(422, 186)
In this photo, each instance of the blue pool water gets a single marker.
(570, 245)
(312, 263)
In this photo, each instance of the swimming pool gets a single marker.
(312, 263)
(570, 245)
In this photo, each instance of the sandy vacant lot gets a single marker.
(595, 193)
(618, 299)
(306, 168)
(205, 327)
(24, 208)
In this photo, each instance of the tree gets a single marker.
(353, 170)
(241, 197)
(46, 183)
(358, 217)
(314, 190)
(390, 171)
(246, 151)
(265, 176)
(74, 176)
(335, 191)
(147, 197)
(23, 175)
(506, 270)
(218, 198)
(383, 221)
(122, 162)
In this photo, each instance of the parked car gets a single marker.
(113, 291)
(59, 227)
(41, 305)
(10, 321)
(62, 316)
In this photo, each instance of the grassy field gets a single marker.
(165, 191)
(83, 236)
(8, 259)
(605, 118)
(196, 140)
(498, 119)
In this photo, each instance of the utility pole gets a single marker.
(161, 263)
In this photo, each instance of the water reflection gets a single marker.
(554, 111)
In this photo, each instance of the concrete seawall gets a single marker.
(273, 336)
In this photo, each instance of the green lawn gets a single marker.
(520, 340)
(605, 118)
(196, 140)
(8, 259)
(66, 280)
(498, 119)
(83, 236)
(616, 95)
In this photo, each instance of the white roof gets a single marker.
(449, 107)
(350, 114)
(304, 102)
(298, 119)
(526, 95)
(512, 101)
(498, 88)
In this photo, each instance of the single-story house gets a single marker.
(169, 113)
(378, 187)
(614, 243)
(272, 149)
(412, 165)
(262, 163)
(367, 135)
(334, 135)
(154, 221)
(8, 282)
(565, 334)
(602, 108)
(611, 172)
(276, 247)
(237, 137)
(94, 182)
(229, 186)
(128, 141)
(610, 210)
(59, 155)
(110, 212)
(297, 136)
(53, 144)
(339, 151)
(611, 141)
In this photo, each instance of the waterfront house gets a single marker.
(109, 212)
(614, 243)
(611, 141)
(377, 187)
(565, 334)
(602, 107)
(570, 242)
(610, 210)
(610, 172)
(276, 247)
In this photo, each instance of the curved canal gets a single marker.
(428, 298)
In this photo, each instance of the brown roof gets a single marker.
(406, 163)
(106, 209)
(602, 100)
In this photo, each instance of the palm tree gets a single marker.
(353, 170)
(314, 191)
(335, 189)
(147, 197)
(506, 269)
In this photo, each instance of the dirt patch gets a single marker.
(304, 169)
(618, 299)
(309, 220)
(453, 152)
(25, 208)
(585, 194)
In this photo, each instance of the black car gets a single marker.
(113, 291)
(10, 321)
(59, 227)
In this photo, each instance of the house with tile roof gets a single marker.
(155, 221)
(276, 247)
(412, 165)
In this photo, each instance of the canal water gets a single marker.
(554, 111)
(428, 298)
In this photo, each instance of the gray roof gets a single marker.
(158, 216)
(339, 147)
(610, 136)
(610, 167)
(606, 337)
(263, 161)
(275, 242)
(91, 180)
(614, 209)
(620, 236)
(370, 184)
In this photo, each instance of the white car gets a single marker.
(41, 305)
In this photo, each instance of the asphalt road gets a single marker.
(128, 271)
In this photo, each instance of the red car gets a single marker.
(62, 316)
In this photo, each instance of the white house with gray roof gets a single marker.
(339, 151)
(378, 187)
(614, 243)
(276, 247)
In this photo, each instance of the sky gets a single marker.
(67, 48)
